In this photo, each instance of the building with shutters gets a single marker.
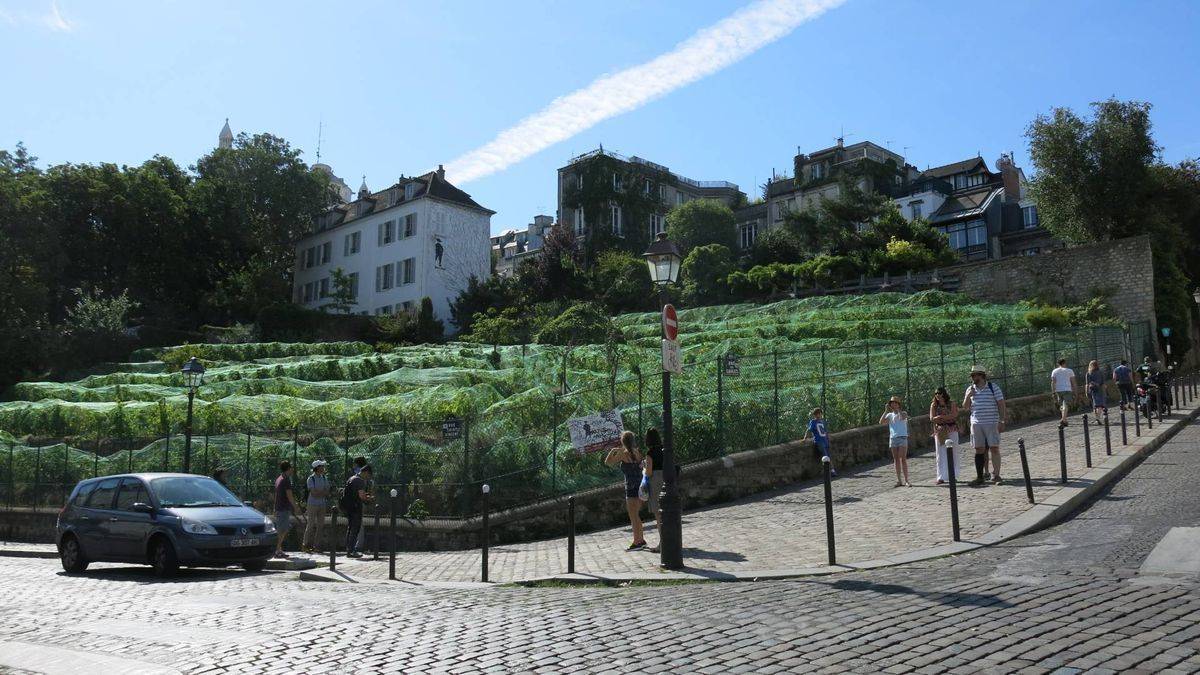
(419, 237)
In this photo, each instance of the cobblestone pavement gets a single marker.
(1066, 600)
(786, 528)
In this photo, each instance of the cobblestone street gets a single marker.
(1066, 598)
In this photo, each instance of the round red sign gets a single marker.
(670, 323)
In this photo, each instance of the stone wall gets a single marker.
(1070, 275)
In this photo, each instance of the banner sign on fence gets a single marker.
(451, 430)
(732, 367)
(596, 433)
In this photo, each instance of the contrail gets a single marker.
(708, 51)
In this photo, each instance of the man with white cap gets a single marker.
(986, 403)
(317, 503)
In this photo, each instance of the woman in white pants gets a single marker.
(943, 415)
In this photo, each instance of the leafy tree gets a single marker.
(24, 247)
(704, 274)
(418, 327)
(479, 297)
(555, 272)
(341, 293)
(95, 326)
(779, 245)
(508, 326)
(700, 222)
(622, 283)
(902, 255)
(582, 323)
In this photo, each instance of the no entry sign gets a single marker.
(670, 323)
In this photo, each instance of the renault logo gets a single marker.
(243, 531)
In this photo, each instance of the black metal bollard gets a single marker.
(1062, 452)
(952, 475)
(1149, 418)
(571, 534)
(1137, 420)
(376, 557)
(487, 535)
(1087, 443)
(829, 540)
(1107, 435)
(1025, 469)
(1159, 409)
(392, 535)
(333, 544)
(1124, 429)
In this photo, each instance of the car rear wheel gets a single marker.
(72, 556)
(255, 565)
(163, 559)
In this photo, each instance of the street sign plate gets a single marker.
(672, 363)
(1166, 332)
(451, 430)
(732, 367)
(670, 323)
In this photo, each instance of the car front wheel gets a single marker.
(72, 556)
(163, 559)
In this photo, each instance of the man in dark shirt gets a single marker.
(285, 505)
(356, 496)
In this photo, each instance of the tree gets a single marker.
(700, 222)
(555, 272)
(479, 297)
(1093, 176)
(24, 251)
(582, 323)
(622, 282)
(341, 294)
(705, 271)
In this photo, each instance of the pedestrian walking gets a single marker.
(943, 414)
(896, 419)
(359, 463)
(285, 505)
(354, 498)
(316, 503)
(985, 400)
(219, 476)
(1062, 388)
(820, 436)
(1123, 376)
(654, 468)
(627, 457)
(1095, 389)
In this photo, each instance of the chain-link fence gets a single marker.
(724, 403)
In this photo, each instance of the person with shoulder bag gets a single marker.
(943, 415)
(630, 461)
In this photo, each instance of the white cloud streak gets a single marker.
(55, 19)
(711, 49)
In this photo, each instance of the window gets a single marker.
(617, 183)
(385, 277)
(1029, 217)
(817, 172)
(580, 226)
(380, 311)
(410, 190)
(324, 292)
(615, 216)
(579, 180)
(326, 252)
(407, 306)
(657, 224)
(791, 204)
(310, 257)
(354, 285)
(132, 492)
(102, 496)
(307, 295)
(747, 233)
(352, 244)
(963, 236)
(962, 181)
(409, 267)
(647, 187)
(387, 232)
(410, 225)
(679, 197)
(915, 207)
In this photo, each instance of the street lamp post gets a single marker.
(663, 259)
(193, 377)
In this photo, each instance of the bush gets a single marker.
(289, 323)
(583, 323)
(95, 329)
(1047, 317)
(238, 333)
(406, 328)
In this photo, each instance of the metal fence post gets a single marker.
(1124, 431)
(641, 394)
(952, 475)
(907, 377)
(942, 357)
(823, 409)
(775, 409)
(720, 403)
(295, 447)
(1004, 364)
(333, 545)
(1062, 452)
(1029, 353)
(12, 482)
(467, 463)
(376, 532)
(392, 535)
(167, 453)
(867, 401)
(1107, 435)
(246, 471)
(1149, 418)
(1137, 419)
(554, 435)
(37, 478)
(1025, 469)
(829, 538)
(1087, 442)
(571, 534)
(65, 463)
(486, 535)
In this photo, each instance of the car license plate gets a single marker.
(243, 542)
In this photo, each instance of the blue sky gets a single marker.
(404, 86)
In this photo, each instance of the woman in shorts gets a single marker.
(897, 421)
(630, 461)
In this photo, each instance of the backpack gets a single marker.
(346, 496)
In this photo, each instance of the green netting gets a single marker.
(846, 354)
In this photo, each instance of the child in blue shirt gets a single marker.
(820, 436)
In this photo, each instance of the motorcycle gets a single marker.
(1146, 397)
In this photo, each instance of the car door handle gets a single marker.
(113, 519)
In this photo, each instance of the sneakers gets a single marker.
(977, 482)
(939, 482)
(636, 546)
(354, 554)
(996, 480)
(654, 549)
(281, 554)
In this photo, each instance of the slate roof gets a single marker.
(966, 205)
(955, 167)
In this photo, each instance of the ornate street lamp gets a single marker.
(1196, 296)
(193, 377)
(663, 259)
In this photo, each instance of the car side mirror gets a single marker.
(248, 503)
(142, 507)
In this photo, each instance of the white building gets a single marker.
(512, 246)
(421, 237)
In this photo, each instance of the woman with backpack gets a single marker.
(630, 461)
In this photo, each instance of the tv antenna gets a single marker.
(320, 128)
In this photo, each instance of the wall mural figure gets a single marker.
(438, 250)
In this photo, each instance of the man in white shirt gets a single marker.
(1062, 384)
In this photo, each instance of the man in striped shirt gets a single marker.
(986, 403)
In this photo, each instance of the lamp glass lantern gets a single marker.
(663, 259)
(1196, 296)
(193, 374)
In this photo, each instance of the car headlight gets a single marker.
(197, 527)
(268, 525)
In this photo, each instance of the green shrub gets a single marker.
(1047, 317)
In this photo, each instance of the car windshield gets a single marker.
(191, 491)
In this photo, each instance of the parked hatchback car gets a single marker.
(167, 520)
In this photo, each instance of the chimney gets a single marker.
(1010, 176)
(441, 172)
